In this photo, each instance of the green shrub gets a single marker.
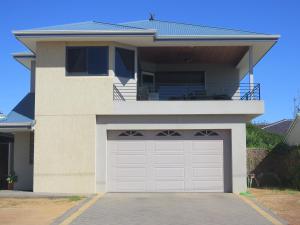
(258, 138)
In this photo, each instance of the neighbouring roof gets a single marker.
(22, 114)
(280, 127)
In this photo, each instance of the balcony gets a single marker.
(187, 92)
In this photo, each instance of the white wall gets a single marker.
(22, 167)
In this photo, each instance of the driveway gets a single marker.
(170, 209)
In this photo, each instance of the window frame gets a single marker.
(86, 74)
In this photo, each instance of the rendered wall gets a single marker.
(22, 167)
(65, 114)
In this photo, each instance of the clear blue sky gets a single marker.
(278, 72)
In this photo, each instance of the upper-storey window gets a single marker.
(124, 63)
(87, 61)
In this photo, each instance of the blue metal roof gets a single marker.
(166, 28)
(89, 25)
(162, 28)
(23, 112)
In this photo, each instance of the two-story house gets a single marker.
(143, 106)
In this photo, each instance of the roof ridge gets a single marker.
(199, 25)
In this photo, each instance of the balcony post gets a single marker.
(251, 75)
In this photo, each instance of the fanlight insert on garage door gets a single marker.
(167, 133)
(130, 133)
(206, 133)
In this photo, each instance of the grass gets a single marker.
(75, 198)
(247, 194)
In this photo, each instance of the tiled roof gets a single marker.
(22, 113)
(166, 28)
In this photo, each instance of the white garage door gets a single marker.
(165, 161)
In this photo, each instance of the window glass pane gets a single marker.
(76, 60)
(124, 63)
(98, 60)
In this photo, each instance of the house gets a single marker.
(143, 106)
(280, 127)
(292, 136)
(2, 116)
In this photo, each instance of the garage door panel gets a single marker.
(212, 172)
(130, 146)
(130, 172)
(165, 164)
(207, 158)
(168, 159)
(161, 146)
(169, 172)
(206, 144)
(130, 159)
(169, 185)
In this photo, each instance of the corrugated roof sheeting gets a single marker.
(165, 28)
(90, 25)
(23, 112)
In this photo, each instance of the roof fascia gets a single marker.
(81, 32)
(217, 37)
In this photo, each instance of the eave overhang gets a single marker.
(25, 58)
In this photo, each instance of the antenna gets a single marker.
(151, 16)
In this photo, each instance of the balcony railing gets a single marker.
(189, 92)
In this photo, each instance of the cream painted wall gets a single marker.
(22, 167)
(65, 114)
(65, 154)
(58, 94)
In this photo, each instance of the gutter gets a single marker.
(38, 33)
(29, 126)
(220, 38)
(80, 33)
(23, 55)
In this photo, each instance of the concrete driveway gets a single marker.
(170, 209)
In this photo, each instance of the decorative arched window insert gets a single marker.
(206, 133)
(166, 133)
(130, 133)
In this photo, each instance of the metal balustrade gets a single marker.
(187, 92)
